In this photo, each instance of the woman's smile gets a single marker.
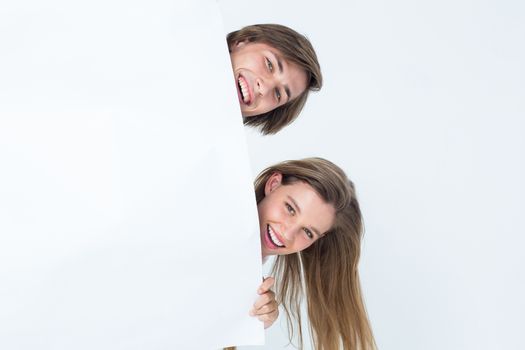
(273, 240)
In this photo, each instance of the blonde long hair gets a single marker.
(295, 48)
(328, 269)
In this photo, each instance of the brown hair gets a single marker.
(295, 48)
(329, 267)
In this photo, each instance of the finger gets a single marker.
(266, 309)
(267, 324)
(266, 285)
(268, 317)
(264, 299)
(267, 299)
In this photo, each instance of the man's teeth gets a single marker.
(244, 90)
(274, 238)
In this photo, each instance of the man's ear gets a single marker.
(274, 181)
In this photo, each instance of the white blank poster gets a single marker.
(127, 213)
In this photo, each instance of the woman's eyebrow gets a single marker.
(294, 204)
(316, 231)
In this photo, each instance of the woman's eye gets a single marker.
(309, 233)
(290, 209)
(269, 64)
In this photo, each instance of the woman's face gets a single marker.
(265, 80)
(291, 217)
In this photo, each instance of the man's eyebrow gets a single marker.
(280, 65)
(316, 231)
(288, 93)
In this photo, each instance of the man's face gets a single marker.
(265, 79)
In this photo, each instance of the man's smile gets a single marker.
(244, 90)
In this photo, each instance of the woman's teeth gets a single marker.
(274, 238)
(244, 90)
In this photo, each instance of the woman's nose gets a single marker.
(289, 232)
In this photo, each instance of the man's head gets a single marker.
(275, 67)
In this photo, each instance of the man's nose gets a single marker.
(265, 85)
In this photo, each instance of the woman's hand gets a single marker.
(265, 307)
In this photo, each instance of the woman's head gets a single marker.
(326, 266)
(302, 202)
(275, 67)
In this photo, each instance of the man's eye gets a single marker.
(269, 64)
(278, 95)
(309, 233)
(290, 209)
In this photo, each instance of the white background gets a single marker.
(423, 106)
(126, 200)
